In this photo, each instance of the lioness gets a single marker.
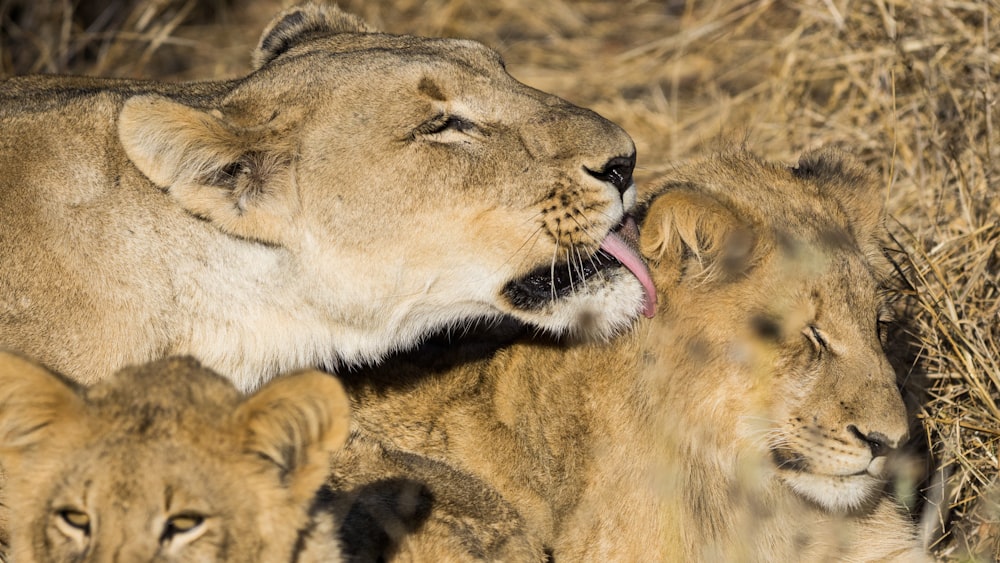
(354, 192)
(167, 462)
(751, 420)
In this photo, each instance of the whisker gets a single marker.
(533, 240)
(569, 264)
(589, 228)
(767, 435)
(578, 259)
(552, 273)
(586, 229)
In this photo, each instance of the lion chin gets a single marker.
(593, 297)
(837, 493)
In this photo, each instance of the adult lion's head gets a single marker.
(418, 162)
(354, 192)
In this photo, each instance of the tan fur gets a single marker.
(167, 462)
(750, 420)
(355, 192)
(399, 506)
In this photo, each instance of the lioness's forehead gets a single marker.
(369, 48)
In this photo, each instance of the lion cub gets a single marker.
(167, 462)
(751, 420)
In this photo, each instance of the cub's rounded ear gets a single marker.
(236, 177)
(302, 22)
(294, 424)
(842, 176)
(34, 403)
(690, 234)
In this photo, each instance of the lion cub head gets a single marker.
(164, 462)
(417, 165)
(782, 354)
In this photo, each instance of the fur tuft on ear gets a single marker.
(296, 423)
(236, 177)
(690, 234)
(173, 143)
(34, 402)
(301, 22)
(840, 175)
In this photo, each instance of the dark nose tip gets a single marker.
(878, 443)
(617, 171)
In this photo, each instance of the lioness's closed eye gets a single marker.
(354, 192)
(167, 462)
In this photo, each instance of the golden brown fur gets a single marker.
(167, 462)
(750, 420)
(394, 505)
(354, 192)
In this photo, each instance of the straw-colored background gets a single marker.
(910, 86)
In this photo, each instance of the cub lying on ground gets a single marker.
(354, 192)
(167, 462)
(750, 420)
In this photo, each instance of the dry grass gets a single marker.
(910, 85)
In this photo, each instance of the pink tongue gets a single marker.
(617, 247)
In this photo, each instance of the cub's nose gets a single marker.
(617, 171)
(879, 443)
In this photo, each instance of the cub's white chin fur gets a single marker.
(837, 493)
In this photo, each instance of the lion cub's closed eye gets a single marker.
(166, 462)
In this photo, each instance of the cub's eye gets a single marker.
(76, 519)
(442, 123)
(181, 524)
(74, 524)
(816, 337)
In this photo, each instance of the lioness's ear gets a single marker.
(236, 177)
(855, 186)
(301, 22)
(296, 423)
(34, 402)
(690, 234)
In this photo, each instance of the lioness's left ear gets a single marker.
(295, 424)
(236, 177)
(855, 186)
(300, 22)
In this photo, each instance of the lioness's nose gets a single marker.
(617, 171)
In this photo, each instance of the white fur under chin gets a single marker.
(289, 338)
(833, 492)
(292, 341)
(251, 340)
